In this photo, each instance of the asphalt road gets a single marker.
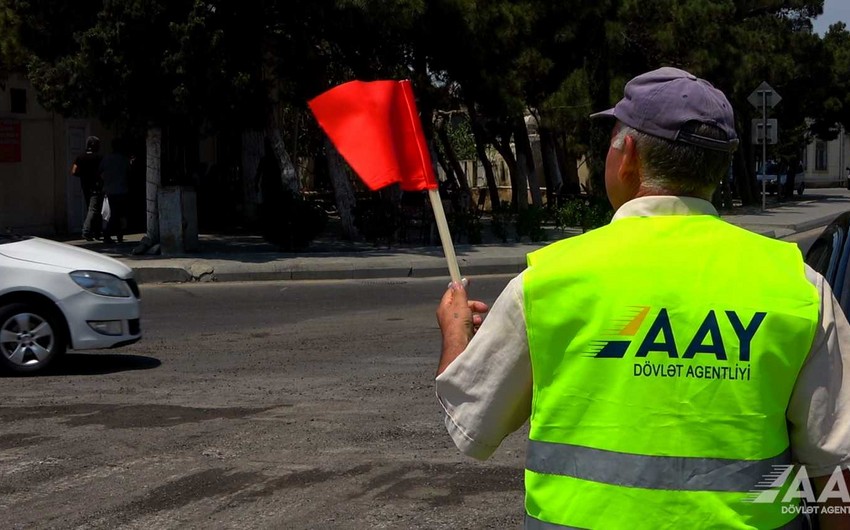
(256, 405)
(804, 240)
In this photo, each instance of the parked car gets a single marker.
(55, 297)
(776, 177)
(830, 254)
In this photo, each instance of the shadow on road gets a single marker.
(100, 364)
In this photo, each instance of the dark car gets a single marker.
(829, 255)
(776, 177)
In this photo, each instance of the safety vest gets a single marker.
(664, 351)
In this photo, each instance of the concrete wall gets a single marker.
(28, 190)
(37, 194)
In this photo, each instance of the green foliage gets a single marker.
(223, 64)
(835, 93)
(377, 219)
(159, 61)
(11, 53)
(567, 110)
(529, 223)
(459, 131)
(503, 219)
(465, 226)
(292, 222)
(586, 213)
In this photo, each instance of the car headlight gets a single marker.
(102, 283)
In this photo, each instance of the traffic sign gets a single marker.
(764, 95)
(764, 132)
(772, 131)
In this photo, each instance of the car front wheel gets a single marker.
(30, 337)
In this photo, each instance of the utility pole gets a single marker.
(842, 173)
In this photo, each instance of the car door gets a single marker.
(829, 255)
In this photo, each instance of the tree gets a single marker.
(835, 94)
(182, 67)
(769, 40)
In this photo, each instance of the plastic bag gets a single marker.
(105, 211)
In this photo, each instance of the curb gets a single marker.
(218, 270)
(243, 272)
(811, 224)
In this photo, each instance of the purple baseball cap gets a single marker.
(661, 102)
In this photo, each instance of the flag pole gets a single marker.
(428, 170)
(445, 236)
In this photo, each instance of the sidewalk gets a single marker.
(250, 258)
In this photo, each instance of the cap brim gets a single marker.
(604, 114)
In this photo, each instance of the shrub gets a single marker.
(465, 225)
(292, 222)
(503, 218)
(529, 223)
(377, 219)
(584, 212)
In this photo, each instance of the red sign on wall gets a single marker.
(10, 141)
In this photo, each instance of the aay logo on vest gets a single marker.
(709, 341)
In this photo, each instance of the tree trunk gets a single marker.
(481, 151)
(519, 191)
(288, 174)
(343, 191)
(451, 156)
(552, 172)
(525, 161)
(447, 168)
(569, 168)
(489, 174)
(599, 86)
(153, 179)
(252, 152)
(745, 180)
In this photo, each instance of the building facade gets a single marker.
(825, 163)
(38, 195)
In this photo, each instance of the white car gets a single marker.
(55, 297)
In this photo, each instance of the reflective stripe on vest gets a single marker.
(536, 524)
(650, 472)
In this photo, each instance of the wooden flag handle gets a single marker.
(445, 236)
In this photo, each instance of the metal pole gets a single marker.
(841, 159)
(764, 150)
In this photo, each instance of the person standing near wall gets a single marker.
(87, 167)
(114, 171)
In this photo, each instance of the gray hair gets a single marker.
(676, 167)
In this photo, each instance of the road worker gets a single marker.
(669, 364)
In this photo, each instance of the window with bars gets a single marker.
(821, 156)
(18, 100)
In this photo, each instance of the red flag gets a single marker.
(375, 126)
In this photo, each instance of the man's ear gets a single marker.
(630, 170)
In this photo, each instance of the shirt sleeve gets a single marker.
(486, 390)
(819, 410)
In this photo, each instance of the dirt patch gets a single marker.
(124, 416)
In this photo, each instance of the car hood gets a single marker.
(46, 252)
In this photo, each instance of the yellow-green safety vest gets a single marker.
(664, 351)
